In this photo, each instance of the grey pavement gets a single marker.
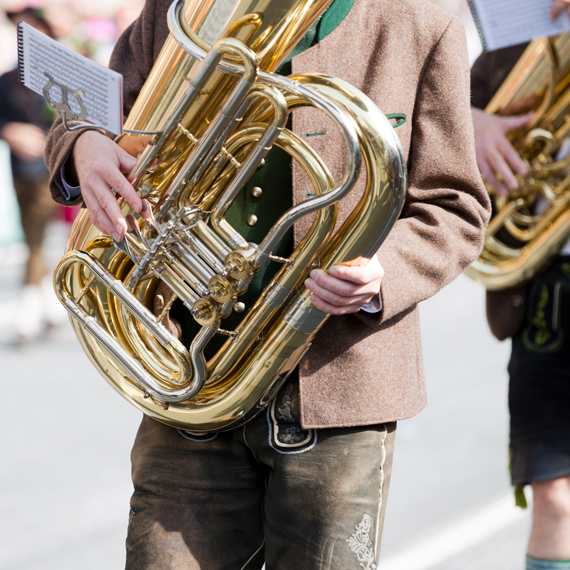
(504, 550)
(65, 474)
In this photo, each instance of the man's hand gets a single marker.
(345, 289)
(557, 7)
(100, 165)
(496, 156)
(26, 141)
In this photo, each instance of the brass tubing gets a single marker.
(212, 140)
(288, 277)
(511, 272)
(211, 240)
(189, 366)
(254, 157)
(286, 319)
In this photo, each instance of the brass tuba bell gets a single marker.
(212, 108)
(532, 223)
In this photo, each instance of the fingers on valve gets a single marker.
(98, 216)
(500, 167)
(120, 184)
(510, 154)
(489, 176)
(104, 202)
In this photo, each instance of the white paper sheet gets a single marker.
(103, 88)
(505, 23)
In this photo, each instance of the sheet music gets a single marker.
(505, 23)
(103, 88)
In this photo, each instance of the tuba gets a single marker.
(531, 225)
(211, 109)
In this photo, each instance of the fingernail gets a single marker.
(119, 229)
(333, 271)
(314, 275)
(309, 283)
(116, 237)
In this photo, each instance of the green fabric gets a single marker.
(276, 181)
(400, 116)
(520, 498)
(538, 564)
(333, 16)
(325, 24)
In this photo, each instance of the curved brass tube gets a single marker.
(190, 366)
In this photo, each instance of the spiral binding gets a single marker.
(21, 76)
(473, 9)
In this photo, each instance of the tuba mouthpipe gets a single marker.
(213, 139)
(190, 42)
(227, 113)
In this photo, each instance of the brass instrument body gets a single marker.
(214, 115)
(532, 223)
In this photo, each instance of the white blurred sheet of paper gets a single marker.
(504, 23)
(103, 88)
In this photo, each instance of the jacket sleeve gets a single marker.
(133, 57)
(442, 227)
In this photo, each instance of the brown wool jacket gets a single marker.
(409, 57)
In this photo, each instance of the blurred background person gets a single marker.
(25, 119)
(539, 388)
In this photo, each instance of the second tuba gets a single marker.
(211, 109)
(531, 225)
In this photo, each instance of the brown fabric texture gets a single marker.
(210, 502)
(409, 57)
(36, 211)
(505, 309)
(490, 71)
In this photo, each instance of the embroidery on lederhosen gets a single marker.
(285, 429)
(361, 544)
(544, 334)
(285, 408)
(197, 437)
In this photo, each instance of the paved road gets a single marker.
(64, 474)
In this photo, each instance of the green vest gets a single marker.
(275, 179)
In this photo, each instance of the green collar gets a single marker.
(327, 23)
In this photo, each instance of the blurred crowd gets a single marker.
(26, 208)
(90, 28)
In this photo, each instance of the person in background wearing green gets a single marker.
(539, 369)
